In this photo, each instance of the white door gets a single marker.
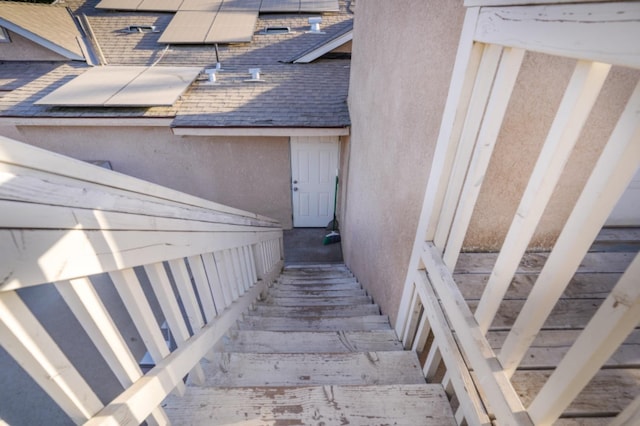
(314, 165)
(627, 211)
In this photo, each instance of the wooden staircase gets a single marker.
(315, 351)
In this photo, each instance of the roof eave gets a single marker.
(261, 131)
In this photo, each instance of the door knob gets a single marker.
(295, 188)
(295, 181)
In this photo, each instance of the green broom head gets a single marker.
(331, 238)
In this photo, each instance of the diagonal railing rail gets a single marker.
(170, 258)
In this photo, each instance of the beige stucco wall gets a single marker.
(536, 97)
(21, 49)
(249, 173)
(401, 65)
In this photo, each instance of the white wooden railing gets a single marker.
(495, 37)
(63, 221)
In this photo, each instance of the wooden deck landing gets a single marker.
(618, 383)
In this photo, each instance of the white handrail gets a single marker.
(64, 222)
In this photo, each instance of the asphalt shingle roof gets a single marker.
(292, 95)
(60, 30)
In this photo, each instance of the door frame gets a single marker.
(338, 145)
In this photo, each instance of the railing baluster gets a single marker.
(234, 258)
(204, 290)
(618, 315)
(84, 302)
(463, 77)
(630, 415)
(253, 268)
(128, 286)
(412, 322)
(24, 338)
(244, 262)
(465, 146)
(505, 80)
(610, 177)
(578, 100)
(422, 334)
(216, 281)
(187, 295)
(432, 363)
(169, 305)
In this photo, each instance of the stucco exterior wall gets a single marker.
(21, 49)
(400, 70)
(535, 100)
(249, 173)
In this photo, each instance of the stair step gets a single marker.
(315, 266)
(314, 311)
(362, 368)
(316, 280)
(340, 286)
(330, 405)
(317, 301)
(361, 323)
(310, 341)
(276, 292)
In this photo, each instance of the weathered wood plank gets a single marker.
(550, 346)
(314, 311)
(81, 253)
(60, 165)
(317, 301)
(370, 322)
(568, 313)
(582, 286)
(312, 294)
(315, 287)
(354, 405)
(597, 32)
(310, 341)
(361, 368)
(28, 185)
(482, 263)
(315, 280)
(610, 391)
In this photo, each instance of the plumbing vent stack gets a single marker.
(211, 75)
(255, 74)
(315, 25)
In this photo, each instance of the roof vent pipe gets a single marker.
(255, 75)
(211, 76)
(218, 64)
(315, 25)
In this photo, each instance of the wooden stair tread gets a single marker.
(354, 405)
(319, 286)
(310, 341)
(361, 368)
(317, 301)
(315, 311)
(276, 292)
(359, 323)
